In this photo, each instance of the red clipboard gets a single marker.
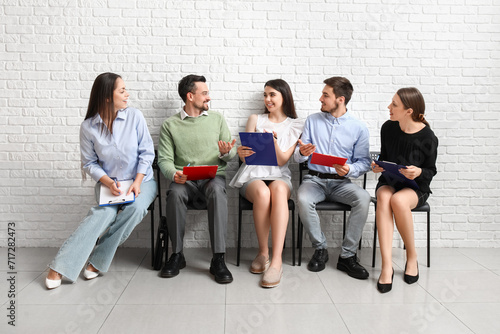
(200, 172)
(327, 160)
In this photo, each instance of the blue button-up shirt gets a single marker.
(128, 151)
(345, 137)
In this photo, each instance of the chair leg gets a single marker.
(161, 244)
(159, 252)
(374, 241)
(343, 229)
(239, 238)
(428, 239)
(167, 236)
(293, 237)
(300, 240)
(153, 236)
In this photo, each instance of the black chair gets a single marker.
(424, 208)
(323, 206)
(244, 204)
(154, 250)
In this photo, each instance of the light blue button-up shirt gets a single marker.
(345, 137)
(128, 151)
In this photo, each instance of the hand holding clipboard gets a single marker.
(260, 148)
(394, 171)
(194, 173)
(331, 161)
(327, 160)
(106, 197)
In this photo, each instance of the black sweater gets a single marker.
(417, 149)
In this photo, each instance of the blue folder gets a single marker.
(263, 146)
(391, 172)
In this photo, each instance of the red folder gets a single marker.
(327, 160)
(200, 172)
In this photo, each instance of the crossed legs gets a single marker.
(398, 205)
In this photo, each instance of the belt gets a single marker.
(326, 175)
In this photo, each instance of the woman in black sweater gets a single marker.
(406, 139)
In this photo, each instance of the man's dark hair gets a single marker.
(341, 87)
(188, 84)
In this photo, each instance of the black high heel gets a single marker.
(385, 287)
(410, 279)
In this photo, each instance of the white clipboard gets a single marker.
(107, 198)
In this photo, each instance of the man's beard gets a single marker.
(202, 107)
(333, 110)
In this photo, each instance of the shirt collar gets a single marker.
(342, 119)
(120, 115)
(184, 114)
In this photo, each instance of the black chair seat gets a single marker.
(333, 206)
(424, 208)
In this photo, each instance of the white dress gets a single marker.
(288, 133)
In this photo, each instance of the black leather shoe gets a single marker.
(352, 267)
(410, 279)
(173, 265)
(218, 268)
(318, 260)
(385, 287)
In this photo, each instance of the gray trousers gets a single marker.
(209, 194)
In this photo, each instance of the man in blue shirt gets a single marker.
(336, 132)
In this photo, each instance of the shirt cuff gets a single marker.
(223, 155)
(97, 175)
(142, 169)
(349, 174)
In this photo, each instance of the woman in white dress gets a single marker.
(269, 187)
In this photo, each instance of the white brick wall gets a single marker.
(51, 51)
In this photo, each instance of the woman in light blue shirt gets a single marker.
(115, 145)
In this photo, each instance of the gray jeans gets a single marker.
(202, 194)
(314, 190)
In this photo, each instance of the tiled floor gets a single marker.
(460, 293)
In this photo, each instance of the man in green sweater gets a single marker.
(196, 136)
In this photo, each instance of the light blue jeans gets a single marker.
(105, 222)
(314, 190)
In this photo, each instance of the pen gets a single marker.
(188, 164)
(116, 184)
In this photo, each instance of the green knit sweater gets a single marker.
(193, 141)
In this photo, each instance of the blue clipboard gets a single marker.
(263, 146)
(391, 172)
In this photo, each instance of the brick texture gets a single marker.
(51, 51)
